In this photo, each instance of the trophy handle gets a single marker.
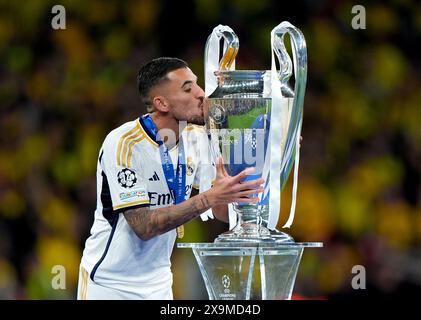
(281, 93)
(212, 52)
(231, 46)
(285, 63)
(299, 51)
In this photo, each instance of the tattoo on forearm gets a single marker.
(148, 223)
(205, 202)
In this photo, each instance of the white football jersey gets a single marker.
(130, 175)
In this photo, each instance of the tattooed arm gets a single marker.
(220, 211)
(148, 223)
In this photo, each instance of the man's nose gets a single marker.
(200, 93)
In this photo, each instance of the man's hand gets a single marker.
(227, 189)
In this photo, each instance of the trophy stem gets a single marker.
(252, 226)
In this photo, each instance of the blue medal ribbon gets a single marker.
(176, 181)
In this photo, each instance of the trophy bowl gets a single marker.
(237, 117)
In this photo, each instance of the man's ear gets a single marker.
(160, 104)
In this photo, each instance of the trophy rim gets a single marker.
(225, 73)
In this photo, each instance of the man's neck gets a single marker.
(167, 123)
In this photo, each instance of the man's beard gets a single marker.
(198, 120)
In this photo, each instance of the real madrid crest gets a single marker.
(190, 166)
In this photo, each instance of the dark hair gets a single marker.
(153, 73)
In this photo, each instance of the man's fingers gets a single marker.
(243, 196)
(249, 192)
(246, 199)
(243, 174)
(220, 167)
(250, 184)
(223, 168)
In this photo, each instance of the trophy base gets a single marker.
(252, 232)
(280, 236)
(249, 271)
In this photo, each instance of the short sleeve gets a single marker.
(127, 187)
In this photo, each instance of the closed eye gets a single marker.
(187, 85)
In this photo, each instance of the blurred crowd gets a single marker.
(62, 91)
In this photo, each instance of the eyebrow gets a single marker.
(188, 82)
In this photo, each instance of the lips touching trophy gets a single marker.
(253, 119)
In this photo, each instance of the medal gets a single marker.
(180, 231)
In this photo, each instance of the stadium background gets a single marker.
(62, 91)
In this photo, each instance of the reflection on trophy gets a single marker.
(253, 119)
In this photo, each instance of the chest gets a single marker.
(155, 175)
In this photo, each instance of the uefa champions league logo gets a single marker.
(218, 113)
(127, 178)
(226, 282)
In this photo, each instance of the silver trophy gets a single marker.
(253, 119)
(246, 129)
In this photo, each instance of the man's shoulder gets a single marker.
(194, 129)
(196, 134)
(127, 129)
(191, 126)
(119, 142)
